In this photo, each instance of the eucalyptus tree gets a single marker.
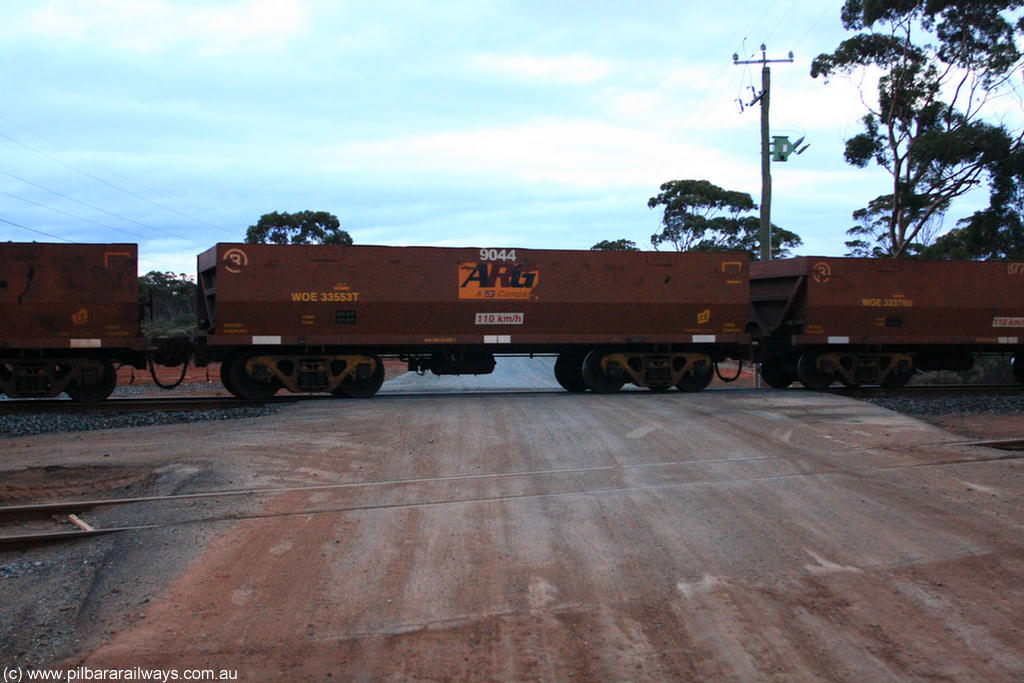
(701, 216)
(933, 122)
(302, 227)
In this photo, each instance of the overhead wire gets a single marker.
(108, 183)
(58, 237)
(779, 22)
(96, 208)
(119, 175)
(757, 23)
(828, 8)
(71, 215)
(700, 112)
(39, 232)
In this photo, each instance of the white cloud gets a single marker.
(574, 69)
(155, 25)
(571, 153)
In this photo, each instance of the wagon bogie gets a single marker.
(855, 368)
(658, 369)
(85, 378)
(259, 374)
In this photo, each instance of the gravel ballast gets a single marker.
(28, 424)
(45, 423)
(953, 405)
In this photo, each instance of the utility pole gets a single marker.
(766, 174)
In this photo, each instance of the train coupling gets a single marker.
(171, 351)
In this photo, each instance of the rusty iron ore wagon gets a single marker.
(320, 318)
(874, 321)
(68, 312)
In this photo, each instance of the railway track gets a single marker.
(931, 390)
(31, 524)
(117, 405)
(188, 403)
(28, 525)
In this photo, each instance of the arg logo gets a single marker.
(483, 280)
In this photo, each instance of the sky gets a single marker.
(505, 123)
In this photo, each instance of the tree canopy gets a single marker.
(996, 232)
(615, 245)
(941, 62)
(303, 227)
(701, 216)
(171, 302)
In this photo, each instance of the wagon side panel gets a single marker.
(409, 296)
(55, 296)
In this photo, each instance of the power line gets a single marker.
(65, 213)
(757, 23)
(56, 237)
(105, 182)
(96, 208)
(779, 22)
(808, 32)
(100, 166)
(712, 88)
(699, 113)
(39, 232)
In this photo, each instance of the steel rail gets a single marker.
(114, 405)
(929, 389)
(36, 510)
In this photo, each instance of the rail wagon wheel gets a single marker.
(848, 383)
(225, 376)
(1018, 367)
(596, 378)
(362, 388)
(569, 371)
(98, 390)
(810, 375)
(777, 374)
(897, 379)
(246, 385)
(698, 380)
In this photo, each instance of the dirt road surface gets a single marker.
(735, 535)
